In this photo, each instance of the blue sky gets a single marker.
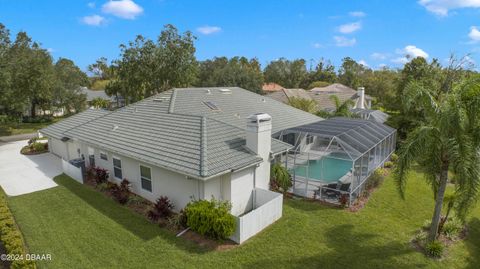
(377, 32)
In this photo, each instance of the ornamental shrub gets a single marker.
(280, 179)
(452, 227)
(211, 218)
(101, 175)
(394, 157)
(434, 249)
(161, 209)
(375, 179)
(388, 164)
(121, 193)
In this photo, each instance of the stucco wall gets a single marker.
(241, 191)
(58, 148)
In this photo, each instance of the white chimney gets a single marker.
(259, 139)
(361, 98)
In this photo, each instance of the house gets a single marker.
(188, 143)
(271, 87)
(285, 95)
(322, 96)
(91, 95)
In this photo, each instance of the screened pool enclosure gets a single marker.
(332, 159)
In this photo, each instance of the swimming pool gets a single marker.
(327, 169)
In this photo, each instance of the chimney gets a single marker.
(361, 99)
(259, 139)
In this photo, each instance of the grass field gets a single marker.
(83, 229)
(23, 128)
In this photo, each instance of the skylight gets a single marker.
(211, 105)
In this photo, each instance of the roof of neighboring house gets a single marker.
(271, 87)
(369, 114)
(198, 132)
(91, 94)
(322, 95)
(285, 95)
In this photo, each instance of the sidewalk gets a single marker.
(19, 137)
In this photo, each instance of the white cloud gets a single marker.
(50, 50)
(208, 30)
(442, 7)
(341, 41)
(358, 14)
(379, 56)
(409, 52)
(125, 9)
(91, 5)
(94, 20)
(317, 45)
(382, 65)
(474, 34)
(363, 62)
(350, 27)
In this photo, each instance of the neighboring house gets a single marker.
(91, 95)
(322, 96)
(271, 87)
(369, 114)
(285, 95)
(190, 143)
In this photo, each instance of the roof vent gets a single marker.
(264, 100)
(161, 99)
(225, 91)
(209, 92)
(115, 127)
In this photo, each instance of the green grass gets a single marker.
(24, 128)
(81, 228)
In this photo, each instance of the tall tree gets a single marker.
(67, 91)
(5, 91)
(324, 72)
(101, 69)
(447, 140)
(146, 67)
(351, 73)
(289, 74)
(32, 72)
(237, 71)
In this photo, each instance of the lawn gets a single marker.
(83, 229)
(24, 128)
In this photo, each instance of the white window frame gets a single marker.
(103, 153)
(121, 167)
(150, 179)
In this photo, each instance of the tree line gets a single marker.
(31, 79)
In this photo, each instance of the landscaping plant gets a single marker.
(211, 218)
(101, 175)
(121, 193)
(280, 179)
(434, 249)
(161, 209)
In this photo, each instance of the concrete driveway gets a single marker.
(21, 174)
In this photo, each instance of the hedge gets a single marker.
(11, 236)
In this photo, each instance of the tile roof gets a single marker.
(178, 131)
(271, 87)
(58, 129)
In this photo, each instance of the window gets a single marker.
(309, 139)
(103, 156)
(91, 157)
(146, 178)
(117, 168)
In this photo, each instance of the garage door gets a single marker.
(58, 148)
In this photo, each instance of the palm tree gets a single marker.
(342, 109)
(306, 105)
(448, 138)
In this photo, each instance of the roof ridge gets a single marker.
(172, 101)
(203, 147)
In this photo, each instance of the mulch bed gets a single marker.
(142, 206)
(28, 151)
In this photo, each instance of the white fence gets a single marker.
(268, 209)
(72, 171)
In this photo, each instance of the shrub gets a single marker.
(434, 249)
(280, 179)
(452, 227)
(11, 235)
(39, 119)
(211, 218)
(343, 200)
(375, 179)
(426, 224)
(394, 157)
(38, 146)
(175, 222)
(121, 193)
(388, 164)
(101, 175)
(420, 237)
(161, 209)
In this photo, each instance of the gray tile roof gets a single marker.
(58, 129)
(369, 114)
(178, 131)
(322, 95)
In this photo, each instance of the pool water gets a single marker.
(327, 169)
